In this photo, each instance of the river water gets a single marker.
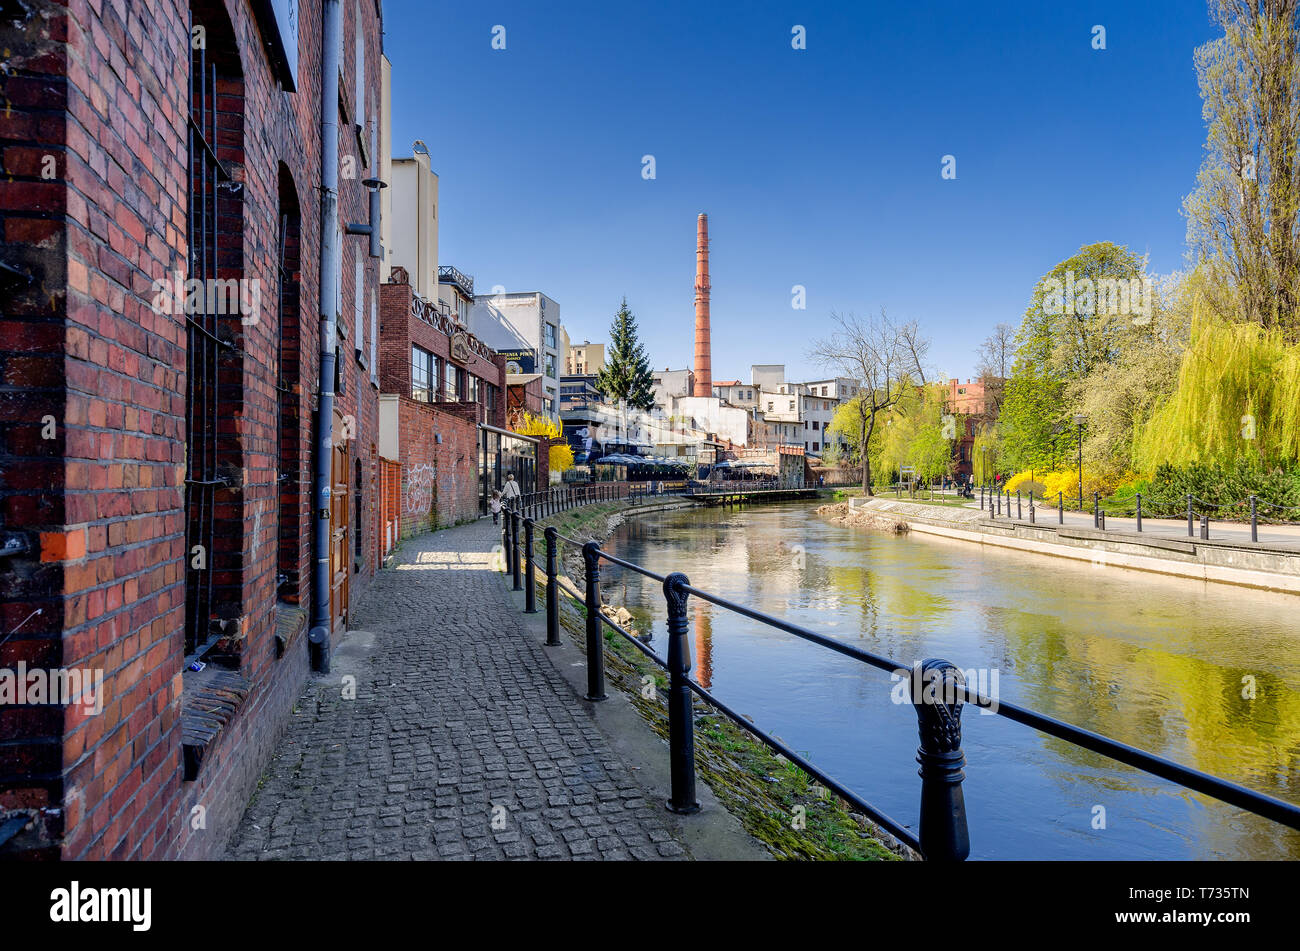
(1160, 663)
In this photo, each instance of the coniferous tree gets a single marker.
(626, 373)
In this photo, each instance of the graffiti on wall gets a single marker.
(418, 493)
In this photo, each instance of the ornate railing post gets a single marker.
(1020, 512)
(595, 640)
(552, 592)
(681, 719)
(1032, 519)
(935, 695)
(1190, 531)
(1254, 522)
(530, 571)
(1138, 496)
(514, 548)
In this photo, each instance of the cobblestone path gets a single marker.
(463, 740)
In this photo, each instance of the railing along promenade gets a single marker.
(937, 689)
(1197, 510)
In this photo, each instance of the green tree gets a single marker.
(1082, 315)
(626, 374)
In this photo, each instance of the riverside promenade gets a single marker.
(465, 739)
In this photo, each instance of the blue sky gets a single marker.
(818, 167)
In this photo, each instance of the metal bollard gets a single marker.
(681, 718)
(595, 642)
(1096, 517)
(944, 834)
(514, 550)
(1190, 533)
(1060, 508)
(530, 571)
(999, 503)
(1254, 524)
(1205, 528)
(1032, 520)
(981, 496)
(1101, 523)
(1139, 511)
(552, 588)
(1019, 512)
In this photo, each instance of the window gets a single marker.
(450, 391)
(290, 478)
(550, 337)
(421, 375)
(792, 406)
(769, 406)
(815, 424)
(825, 391)
(212, 369)
(374, 337)
(550, 365)
(816, 447)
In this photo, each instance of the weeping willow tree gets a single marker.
(919, 434)
(1237, 397)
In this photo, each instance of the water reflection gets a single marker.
(1205, 674)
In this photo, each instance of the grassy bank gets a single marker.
(778, 803)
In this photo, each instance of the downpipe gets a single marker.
(318, 639)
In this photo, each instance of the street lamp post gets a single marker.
(1079, 420)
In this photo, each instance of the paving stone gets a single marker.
(458, 711)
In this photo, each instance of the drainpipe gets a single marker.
(319, 636)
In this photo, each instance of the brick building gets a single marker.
(159, 370)
(440, 385)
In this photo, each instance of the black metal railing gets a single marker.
(937, 689)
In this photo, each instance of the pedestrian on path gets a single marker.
(494, 503)
(510, 491)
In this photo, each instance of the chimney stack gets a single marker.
(703, 343)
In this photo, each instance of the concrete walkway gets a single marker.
(463, 740)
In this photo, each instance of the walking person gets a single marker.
(510, 491)
(494, 503)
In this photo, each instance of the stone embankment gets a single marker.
(1226, 562)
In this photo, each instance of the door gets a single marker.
(339, 508)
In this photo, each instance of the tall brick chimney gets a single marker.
(703, 345)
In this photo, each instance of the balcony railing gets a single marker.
(450, 275)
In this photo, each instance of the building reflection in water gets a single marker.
(703, 642)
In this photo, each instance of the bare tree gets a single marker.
(878, 354)
(995, 357)
(1244, 214)
(916, 349)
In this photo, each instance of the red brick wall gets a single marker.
(107, 98)
(439, 479)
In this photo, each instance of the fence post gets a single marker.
(1019, 511)
(595, 642)
(1032, 520)
(999, 502)
(935, 695)
(1101, 522)
(981, 496)
(530, 571)
(505, 537)
(1254, 525)
(1139, 510)
(681, 719)
(1060, 508)
(514, 548)
(1096, 518)
(552, 588)
(1205, 527)
(1190, 532)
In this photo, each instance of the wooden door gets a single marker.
(339, 508)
